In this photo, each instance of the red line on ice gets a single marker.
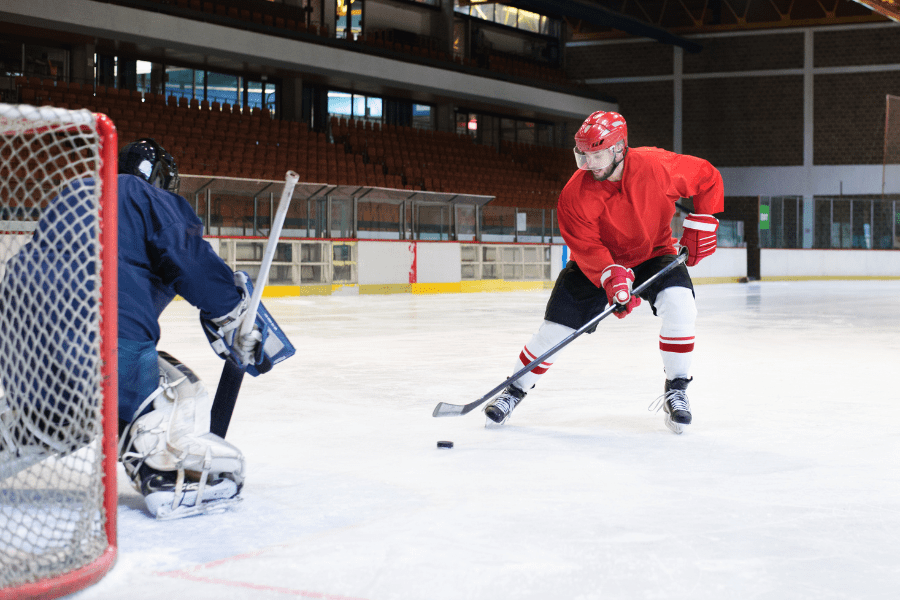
(255, 586)
(189, 575)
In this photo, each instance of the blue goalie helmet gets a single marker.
(149, 161)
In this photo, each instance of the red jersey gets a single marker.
(629, 221)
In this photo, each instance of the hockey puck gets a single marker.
(445, 444)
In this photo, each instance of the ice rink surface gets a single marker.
(786, 486)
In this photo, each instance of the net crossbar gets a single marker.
(57, 350)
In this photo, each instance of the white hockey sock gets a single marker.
(676, 307)
(547, 336)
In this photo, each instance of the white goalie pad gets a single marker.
(169, 454)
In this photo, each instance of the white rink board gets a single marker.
(438, 262)
(726, 262)
(384, 262)
(829, 263)
(784, 487)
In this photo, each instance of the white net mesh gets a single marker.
(51, 473)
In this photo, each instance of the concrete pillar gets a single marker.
(445, 117)
(303, 7)
(808, 106)
(292, 99)
(82, 70)
(158, 78)
(106, 70)
(324, 14)
(442, 27)
(678, 81)
(488, 131)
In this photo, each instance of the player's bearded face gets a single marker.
(601, 163)
(603, 174)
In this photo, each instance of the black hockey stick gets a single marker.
(226, 397)
(443, 409)
(232, 373)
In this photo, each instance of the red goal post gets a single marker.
(58, 367)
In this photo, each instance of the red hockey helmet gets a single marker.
(600, 131)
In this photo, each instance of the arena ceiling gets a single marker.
(669, 20)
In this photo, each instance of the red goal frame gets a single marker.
(87, 575)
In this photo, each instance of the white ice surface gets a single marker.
(787, 484)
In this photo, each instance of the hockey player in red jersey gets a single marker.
(615, 215)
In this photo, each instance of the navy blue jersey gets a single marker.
(48, 297)
(162, 253)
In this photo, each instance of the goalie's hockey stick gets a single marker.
(232, 373)
(443, 409)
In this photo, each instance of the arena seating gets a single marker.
(222, 140)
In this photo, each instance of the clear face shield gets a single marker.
(595, 161)
(165, 178)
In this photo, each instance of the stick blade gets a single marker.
(444, 409)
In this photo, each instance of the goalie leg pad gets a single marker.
(170, 455)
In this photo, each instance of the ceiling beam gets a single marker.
(595, 14)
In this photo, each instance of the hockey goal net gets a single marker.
(58, 418)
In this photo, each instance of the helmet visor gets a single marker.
(174, 184)
(595, 161)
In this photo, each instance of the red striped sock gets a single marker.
(676, 344)
(526, 357)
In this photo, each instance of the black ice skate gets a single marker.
(675, 402)
(502, 406)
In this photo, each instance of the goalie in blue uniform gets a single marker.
(164, 411)
(50, 349)
(172, 458)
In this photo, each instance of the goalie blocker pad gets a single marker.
(274, 347)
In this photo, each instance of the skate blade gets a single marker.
(675, 427)
(167, 513)
(489, 424)
(217, 498)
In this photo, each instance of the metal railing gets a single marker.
(232, 207)
(852, 222)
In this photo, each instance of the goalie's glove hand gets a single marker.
(699, 237)
(616, 281)
(228, 330)
(258, 351)
(224, 332)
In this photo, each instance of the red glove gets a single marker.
(616, 281)
(699, 237)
